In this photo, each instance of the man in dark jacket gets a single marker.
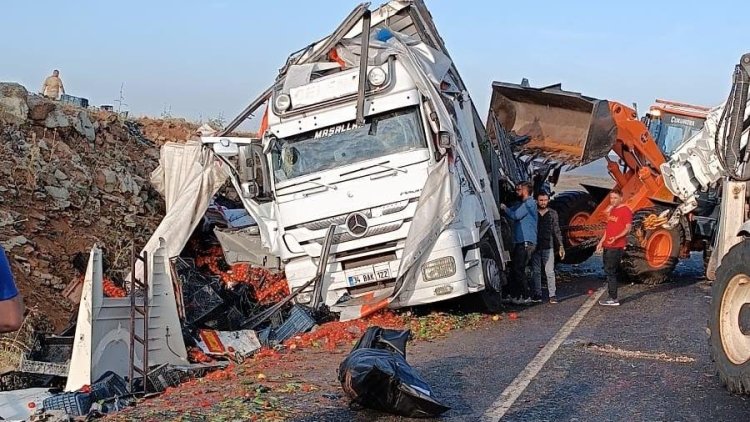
(549, 242)
(524, 218)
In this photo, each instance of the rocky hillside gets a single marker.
(69, 178)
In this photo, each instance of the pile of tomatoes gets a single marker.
(111, 289)
(196, 355)
(337, 333)
(267, 287)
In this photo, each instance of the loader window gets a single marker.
(339, 145)
(674, 130)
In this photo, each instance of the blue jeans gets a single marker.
(546, 258)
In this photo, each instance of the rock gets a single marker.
(59, 194)
(84, 126)
(13, 106)
(39, 107)
(107, 180)
(13, 242)
(59, 175)
(56, 119)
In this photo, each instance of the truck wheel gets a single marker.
(574, 209)
(494, 279)
(729, 320)
(652, 252)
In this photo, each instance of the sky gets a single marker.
(201, 59)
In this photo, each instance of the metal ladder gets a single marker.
(136, 309)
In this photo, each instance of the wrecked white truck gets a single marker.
(387, 151)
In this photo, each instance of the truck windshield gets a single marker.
(339, 145)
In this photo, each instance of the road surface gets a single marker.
(645, 360)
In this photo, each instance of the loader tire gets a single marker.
(574, 208)
(729, 319)
(651, 254)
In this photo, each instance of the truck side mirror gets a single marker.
(251, 189)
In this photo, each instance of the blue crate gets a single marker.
(299, 321)
(74, 403)
(108, 386)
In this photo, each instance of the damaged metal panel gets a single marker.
(244, 245)
(102, 338)
(561, 125)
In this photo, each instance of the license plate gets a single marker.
(368, 274)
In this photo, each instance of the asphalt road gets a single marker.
(647, 360)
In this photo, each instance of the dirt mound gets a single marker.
(69, 178)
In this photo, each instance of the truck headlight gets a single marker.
(439, 268)
(283, 102)
(376, 76)
(304, 298)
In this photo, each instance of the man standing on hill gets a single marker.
(53, 86)
(619, 222)
(524, 218)
(549, 242)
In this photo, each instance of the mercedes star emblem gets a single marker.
(356, 224)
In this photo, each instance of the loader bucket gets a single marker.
(562, 125)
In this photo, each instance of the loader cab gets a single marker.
(672, 123)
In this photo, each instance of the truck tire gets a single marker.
(574, 208)
(494, 279)
(729, 319)
(651, 253)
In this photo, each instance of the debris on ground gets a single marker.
(376, 375)
(610, 350)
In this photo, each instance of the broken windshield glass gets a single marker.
(339, 145)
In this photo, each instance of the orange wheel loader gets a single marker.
(575, 129)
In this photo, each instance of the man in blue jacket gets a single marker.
(11, 306)
(524, 218)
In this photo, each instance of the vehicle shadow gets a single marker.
(671, 284)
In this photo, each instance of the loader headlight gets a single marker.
(376, 76)
(439, 268)
(283, 102)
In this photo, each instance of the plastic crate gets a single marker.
(162, 377)
(74, 404)
(299, 321)
(108, 386)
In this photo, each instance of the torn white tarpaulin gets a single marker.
(188, 177)
(102, 338)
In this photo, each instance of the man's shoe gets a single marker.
(536, 299)
(516, 301)
(609, 302)
(553, 300)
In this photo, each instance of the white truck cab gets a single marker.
(358, 156)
